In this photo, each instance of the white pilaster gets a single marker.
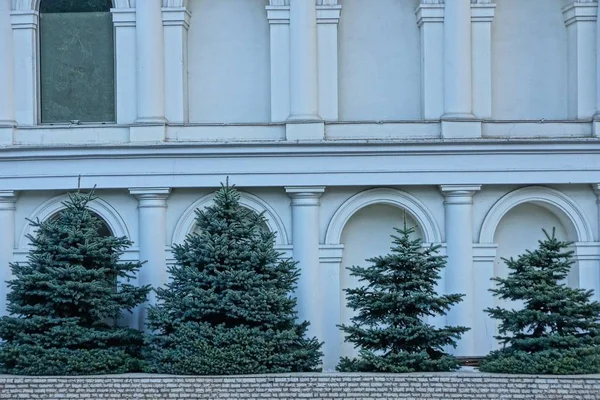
(152, 239)
(125, 64)
(458, 207)
(430, 19)
(304, 122)
(587, 255)
(596, 122)
(25, 34)
(482, 16)
(458, 120)
(8, 199)
(330, 257)
(7, 106)
(150, 63)
(176, 22)
(483, 271)
(580, 19)
(279, 25)
(328, 17)
(305, 239)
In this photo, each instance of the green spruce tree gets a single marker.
(65, 300)
(557, 330)
(400, 292)
(228, 309)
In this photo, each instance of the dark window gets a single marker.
(77, 61)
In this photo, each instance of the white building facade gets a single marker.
(477, 120)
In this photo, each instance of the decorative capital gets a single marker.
(305, 195)
(151, 197)
(24, 19)
(123, 17)
(328, 14)
(278, 14)
(580, 11)
(8, 198)
(176, 16)
(429, 13)
(459, 194)
(482, 12)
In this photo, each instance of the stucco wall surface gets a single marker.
(308, 386)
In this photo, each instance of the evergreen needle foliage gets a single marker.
(227, 309)
(64, 301)
(389, 328)
(557, 330)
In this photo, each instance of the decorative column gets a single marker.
(7, 106)
(8, 199)
(150, 70)
(482, 16)
(328, 17)
(580, 19)
(152, 240)
(125, 64)
(459, 274)
(483, 326)
(458, 120)
(330, 263)
(305, 239)
(430, 19)
(25, 34)
(304, 122)
(587, 255)
(176, 22)
(279, 26)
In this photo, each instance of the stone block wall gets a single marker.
(461, 386)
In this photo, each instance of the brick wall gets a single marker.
(309, 386)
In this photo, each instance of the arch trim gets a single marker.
(111, 217)
(186, 222)
(389, 196)
(551, 199)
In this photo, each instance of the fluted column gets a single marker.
(430, 19)
(482, 16)
(458, 207)
(304, 122)
(150, 70)
(8, 200)
(152, 240)
(596, 123)
(305, 239)
(7, 106)
(279, 29)
(328, 18)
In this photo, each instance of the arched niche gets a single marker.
(414, 208)
(53, 206)
(187, 221)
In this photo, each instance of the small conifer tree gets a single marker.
(399, 293)
(65, 300)
(558, 329)
(228, 307)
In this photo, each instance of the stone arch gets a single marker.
(553, 200)
(393, 197)
(34, 5)
(103, 209)
(186, 222)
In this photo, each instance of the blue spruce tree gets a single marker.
(399, 294)
(558, 329)
(228, 307)
(65, 300)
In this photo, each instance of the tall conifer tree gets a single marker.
(65, 300)
(558, 329)
(228, 308)
(399, 294)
